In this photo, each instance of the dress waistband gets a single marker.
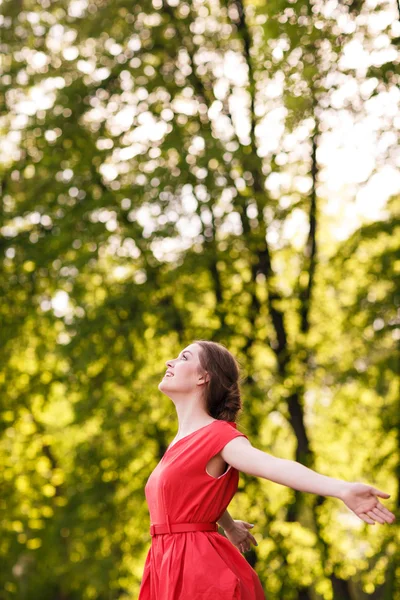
(182, 527)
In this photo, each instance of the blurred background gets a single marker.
(213, 169)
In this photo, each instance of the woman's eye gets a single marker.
(184, 357)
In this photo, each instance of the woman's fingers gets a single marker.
(253, 539)
(387, 516)
(380, 493)
(386, 512)
(367, 519)
(376, 517)
(246, 545)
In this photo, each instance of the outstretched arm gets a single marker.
(359, 497)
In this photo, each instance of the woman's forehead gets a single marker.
(193, 348)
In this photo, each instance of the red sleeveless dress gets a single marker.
(201, 564)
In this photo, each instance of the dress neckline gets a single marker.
(190, 434)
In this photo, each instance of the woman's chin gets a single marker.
(164, 389)
(163, 385)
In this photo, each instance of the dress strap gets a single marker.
(181, 527)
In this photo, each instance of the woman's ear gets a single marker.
(204, 377)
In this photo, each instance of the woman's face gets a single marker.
(184, 373)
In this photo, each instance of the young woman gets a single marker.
(189, 490)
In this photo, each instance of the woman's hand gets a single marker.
(363, 500)
(240, 536)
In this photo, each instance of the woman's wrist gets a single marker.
(229, 526)
(226, 521)
(343, 488)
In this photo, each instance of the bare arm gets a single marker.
(243, 456)
(361, 498)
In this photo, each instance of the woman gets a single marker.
(189, 490)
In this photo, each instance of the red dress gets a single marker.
(194, 565)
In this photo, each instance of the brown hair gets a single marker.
(222, 392)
